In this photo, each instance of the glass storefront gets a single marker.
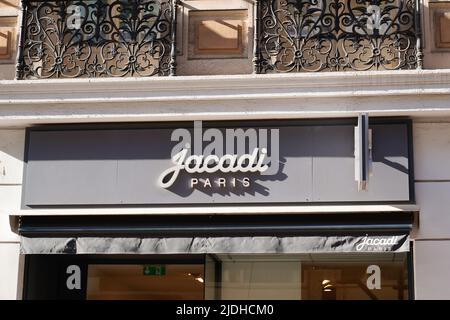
(313, 277)
(333, 276)
(145, 282)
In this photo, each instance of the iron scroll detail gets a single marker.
(337, 35)
(96, 38)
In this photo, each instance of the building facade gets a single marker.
(163, 149)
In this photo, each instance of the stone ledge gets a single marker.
(213, 210)
(304, 81)
(416, 93)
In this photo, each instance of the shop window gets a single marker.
(145, 282)
(312, 277)
(315, 36)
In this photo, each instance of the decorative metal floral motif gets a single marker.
(337, 35)
(96, 38)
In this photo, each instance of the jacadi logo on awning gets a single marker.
(221, 158)
(377, 243)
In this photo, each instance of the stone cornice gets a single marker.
(333, 94)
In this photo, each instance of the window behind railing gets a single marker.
(337, 35)
(96, 38)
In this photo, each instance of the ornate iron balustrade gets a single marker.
(96, 38)
(110, 38)
(336, 35)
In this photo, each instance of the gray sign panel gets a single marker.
(114, 167)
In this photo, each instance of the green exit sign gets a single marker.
(154, 270)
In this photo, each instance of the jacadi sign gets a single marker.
(227, 158)
(213, 163)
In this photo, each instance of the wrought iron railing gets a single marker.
(337, 35)
(96, 38)
(110, 38)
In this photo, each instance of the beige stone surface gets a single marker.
(431, 269)
(434, 202)
(12, 144)
(9, 267)
(7, 71)
(9, 4)
(431, 150)
(413, 93)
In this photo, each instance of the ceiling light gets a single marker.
(199, 279)
(327, 286)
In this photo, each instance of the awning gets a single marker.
(215, 234)
(318, 244)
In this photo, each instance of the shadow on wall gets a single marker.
(12, 144)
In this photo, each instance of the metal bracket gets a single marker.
(363, 152)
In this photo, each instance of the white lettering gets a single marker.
(196, 161)
(207, 183)
(227, 158)
(376, 242)
(221, 182)
(168, 177)
(194, 181)
(214, 160)
(187, 310)
(212, 164)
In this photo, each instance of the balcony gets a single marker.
(119, 38)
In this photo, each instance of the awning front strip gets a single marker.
(232, 245)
